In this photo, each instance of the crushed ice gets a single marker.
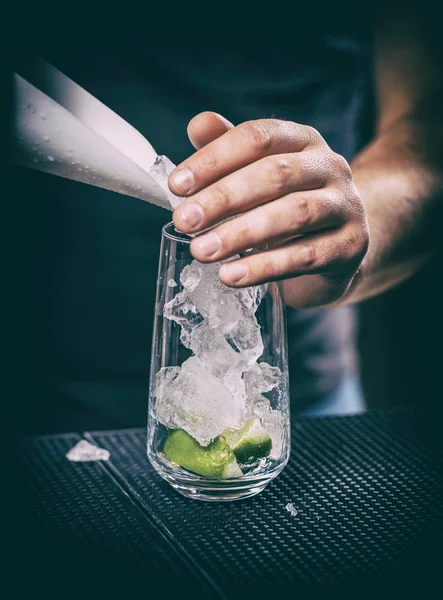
(83, 451)
(160, 171)
(222, 383)
(291, 510)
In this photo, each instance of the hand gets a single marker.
(304, 210)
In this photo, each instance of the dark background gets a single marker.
(400, 342)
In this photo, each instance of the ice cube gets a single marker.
(291, 510)
(191, 275)
(84, 451)
(215, 301)
(165, 379)
(210, 297)
(251, 297)
(183, 311)
(198, 402)
(213, 351)
(160, 171)
(244, 336)
(275, 422)
(235, 384)
(261, 377)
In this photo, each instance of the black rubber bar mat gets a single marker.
(81, 532)
(365, 514)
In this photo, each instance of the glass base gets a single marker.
(218, 494)
(214, 490)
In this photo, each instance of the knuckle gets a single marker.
(341, 165)
(212, 161)
(307, 255)
(312, 167)
(312, 135)
(348, 202)
(335, 202)
(222, 198)
(268, 265)
(357, 241)
(208, 163)
(257, 135)
(357, 202)
(278, 171)
(302, 213)
(244, 232)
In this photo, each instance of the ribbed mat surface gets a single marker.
(366, 490)
(366, 518)
(81, 531)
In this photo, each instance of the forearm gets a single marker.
(401, 182)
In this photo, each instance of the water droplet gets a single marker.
(51, 158)
(34, 110)
(93, 177)
(43, 116)
(86, 166)
(45, 137)
(72, 162)
(79, 169)
(69, 152)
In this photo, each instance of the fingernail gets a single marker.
(192, 214)
(209, 244)
(183, 180)
(235, 272)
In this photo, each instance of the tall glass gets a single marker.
(218, 424)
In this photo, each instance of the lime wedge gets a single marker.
(250, 443)
(215, 460)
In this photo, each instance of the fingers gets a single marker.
(255, 184)
(238, 147)
(336, 253)
(206, 127)
(302, 204)
(292, 215)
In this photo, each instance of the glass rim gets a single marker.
(171, 233)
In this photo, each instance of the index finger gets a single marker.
(237, 148)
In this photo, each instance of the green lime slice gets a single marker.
(215, 460)
(250, 443)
